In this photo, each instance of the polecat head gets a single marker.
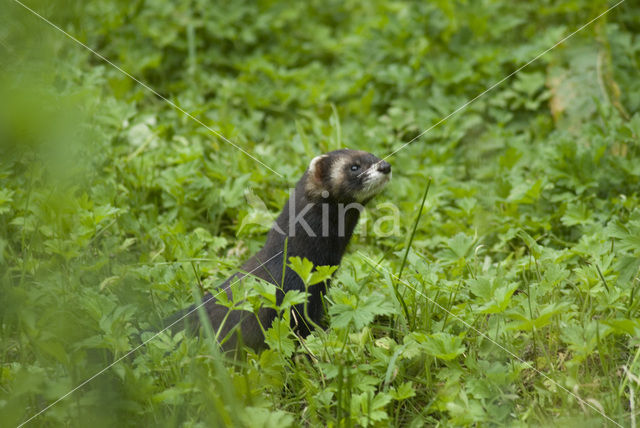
(346, 176)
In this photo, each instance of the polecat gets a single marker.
(316, 222)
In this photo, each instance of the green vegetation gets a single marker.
(115, 209)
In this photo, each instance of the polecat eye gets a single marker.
(355, 167)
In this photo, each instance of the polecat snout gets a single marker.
(316, 222)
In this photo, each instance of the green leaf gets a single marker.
(440, 345)
(358, 310)
(280, 337)
(403, 392)
(292, 297)
(302, 267)
(547, 312)
(626, 326)
(310, 276)
(628, 267)
(495, 297)
(460, 245)
(576, 214)
(628, 235)
(526, 192)
(322, 273)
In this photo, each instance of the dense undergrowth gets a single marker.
(520, 290)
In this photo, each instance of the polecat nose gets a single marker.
(384, 167)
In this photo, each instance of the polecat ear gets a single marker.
(317, 168)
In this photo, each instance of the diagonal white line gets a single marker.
(406, 284)
(148, 88)
(490, 88)
(141, 345)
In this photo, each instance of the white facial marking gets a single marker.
(373, 183)
(337, 169)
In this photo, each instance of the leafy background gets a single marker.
(115, 208)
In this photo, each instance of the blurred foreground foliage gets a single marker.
(114, 205)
